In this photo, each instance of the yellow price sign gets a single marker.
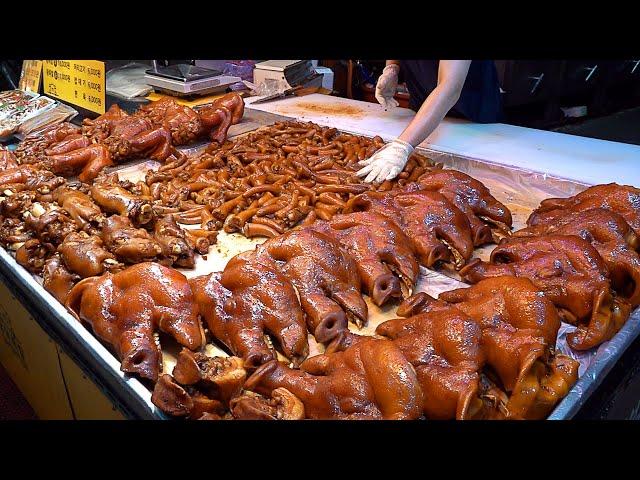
(79, 82)
(30, 75)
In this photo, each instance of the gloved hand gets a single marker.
(387, 162)
(386, 86)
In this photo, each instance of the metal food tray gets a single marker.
(127, 393)
(520, 189)
(526, 189)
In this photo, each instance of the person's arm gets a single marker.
(451, 77)
(389, 161)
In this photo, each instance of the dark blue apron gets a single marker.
(480, 99)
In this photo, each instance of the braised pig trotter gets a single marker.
(125, 309)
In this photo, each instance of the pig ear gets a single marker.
(342, 341)
(316, 365)
(454, 296)
(415, 304)
(551, 203)
(171, 398)
(261, 375)
(609, 314)
(391, 328)
(187, 371)
(72, 303)
(478, 270)
(342, 222)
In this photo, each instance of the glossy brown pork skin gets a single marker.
(86, 162)
(113, 198)
(128, 136)
(33, 178)
(570, 272)
(68, 144)
(502, 302)
(99, 128)
(325, 276)
(125, 309)
(57, 279)
(381, 251)
(519, 329)
(427, 218)
(133, 137)
(7, 159)
(444, 347)
(173, 241)
(80, 207)
(245, 301)
(33, 147)
(622, 199)
(220, 115)
(505, 324)
(128, 243)
(86, 256)
(181, 122)
(368, 380)
(234, 103)
(106, 140)
(187, 125)
(473, 198)
(152, 132)
(611, 236)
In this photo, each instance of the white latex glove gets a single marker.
(386, 86)
(387, 162)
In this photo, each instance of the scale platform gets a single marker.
(185, 80)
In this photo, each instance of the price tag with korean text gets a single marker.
(79, 82)
(30, 75)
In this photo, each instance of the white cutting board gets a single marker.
(583, 159)
(347, 115)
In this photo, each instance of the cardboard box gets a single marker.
(87, 400)
(52, 383)
(31, 358)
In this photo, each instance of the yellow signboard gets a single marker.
(79, 82)
(30, 75)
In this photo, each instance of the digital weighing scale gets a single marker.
(185, 80)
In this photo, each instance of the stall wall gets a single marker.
(52, 383)
(87, 401)
(31, 359)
